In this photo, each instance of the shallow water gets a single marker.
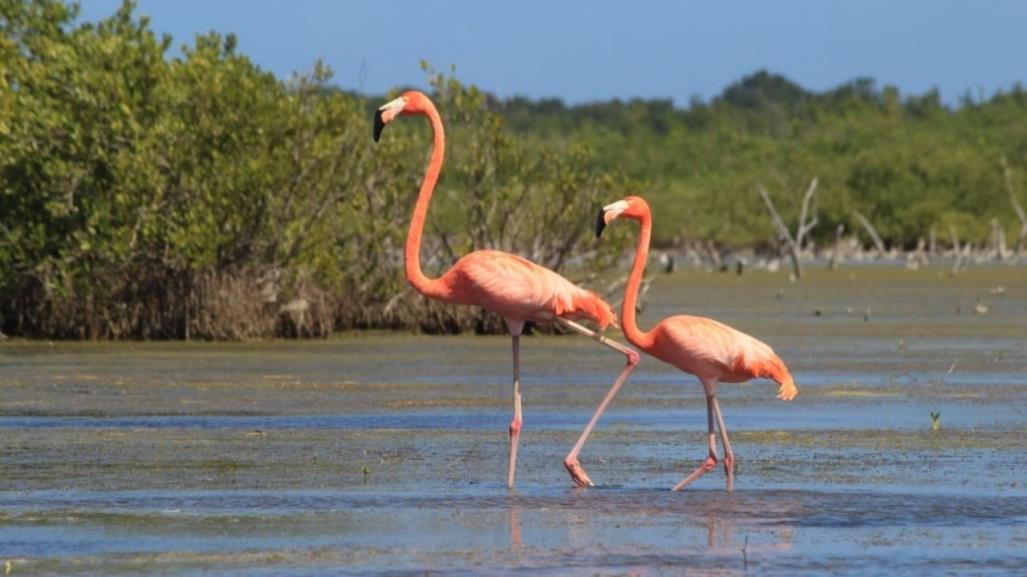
(385, 454)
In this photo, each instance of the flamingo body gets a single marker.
(520, 290)
(715, 352)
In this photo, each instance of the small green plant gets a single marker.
(745, 553)
(935, 421)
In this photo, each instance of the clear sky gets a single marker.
(602, 49)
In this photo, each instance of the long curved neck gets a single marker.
(412, 254)
(627, 312)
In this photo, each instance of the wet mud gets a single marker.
(385, 454)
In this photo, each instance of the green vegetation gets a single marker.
(143, 196)
(150, 196)
(907, 163)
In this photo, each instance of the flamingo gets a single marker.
(710, 350)
(513, 287)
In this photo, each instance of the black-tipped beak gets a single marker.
(600, 222)
(379, 124)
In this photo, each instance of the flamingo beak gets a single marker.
(608, 213)
(386, 113)
(600, 222)
(379, 124)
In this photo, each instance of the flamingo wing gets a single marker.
(713, 350)
(519, 289)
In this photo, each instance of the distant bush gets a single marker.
(143, 196)
(908, 163)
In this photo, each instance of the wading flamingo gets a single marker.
(515, 288)
(710, 350)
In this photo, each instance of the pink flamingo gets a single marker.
(712, 351)
(515, 288)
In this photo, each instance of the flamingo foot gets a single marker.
(578, 474)
(708, 465)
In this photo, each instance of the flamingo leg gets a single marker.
(711, 460)
(578, 474)
(729, 455)
(515, 424)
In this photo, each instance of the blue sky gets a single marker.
(602, 49)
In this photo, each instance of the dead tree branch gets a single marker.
(794, 242)
(782, 230)
(878, 243)
(805, 227)
(1007, 174)
(833, 264)
(998, 241)
(958, 265)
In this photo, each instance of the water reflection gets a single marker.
(594, 531)
(628, 524)
(515, 528)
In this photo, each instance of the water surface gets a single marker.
(385, 454)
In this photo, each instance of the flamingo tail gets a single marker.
(589, 305)
(774, 368)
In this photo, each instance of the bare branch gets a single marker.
(998, 240)
(711, 249)
(803, 226)
(807, 228)
(878, 243)
(786, 235)
(837, 245)
(1007, 175)
(956, 266)
(779, 224)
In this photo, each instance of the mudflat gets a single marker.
(385, 453)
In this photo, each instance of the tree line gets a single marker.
(149, 196)
(907, 162)
(198, 196)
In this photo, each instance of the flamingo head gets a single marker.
(633, 207)
(410, 102)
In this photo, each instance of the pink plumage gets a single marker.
(520, 290)
(714, 351)
(710, 350)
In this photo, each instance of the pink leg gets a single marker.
(729, 455)
(515, 424)
(710, 461)
(578, 474)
